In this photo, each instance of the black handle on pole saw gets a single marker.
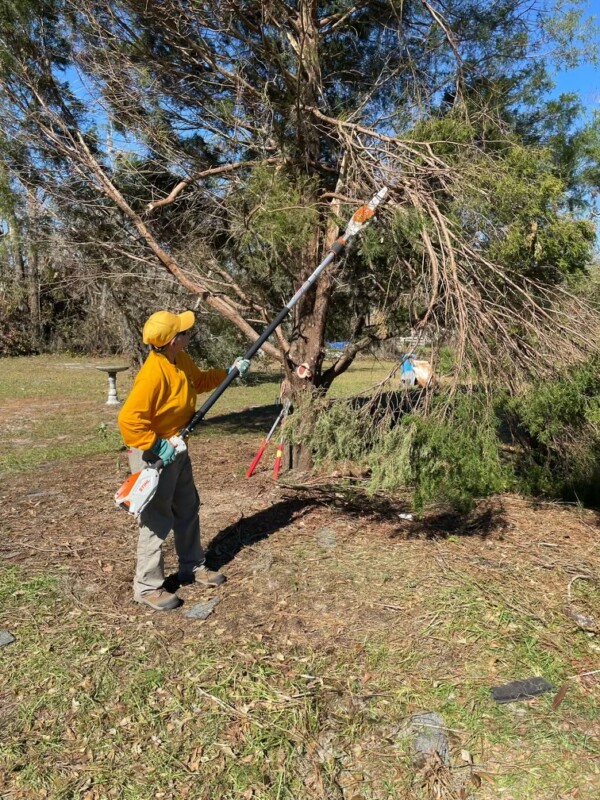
(233, 373)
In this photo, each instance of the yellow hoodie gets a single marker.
(163, 398)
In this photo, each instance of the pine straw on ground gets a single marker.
(337, 612)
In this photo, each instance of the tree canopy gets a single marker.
(224, 144)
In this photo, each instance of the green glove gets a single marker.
(164, 450)
(242, 364)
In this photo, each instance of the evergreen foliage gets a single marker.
(221, 147)
(228, 142)
(334, 431)
(544, 441)
(449, 460)
(556, 426)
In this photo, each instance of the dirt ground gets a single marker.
(63, 517)
(309, 567)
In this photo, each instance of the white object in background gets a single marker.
(422, 370)
(113, 399)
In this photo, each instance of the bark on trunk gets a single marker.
(33, 283)
(310, 314)
(14, 233)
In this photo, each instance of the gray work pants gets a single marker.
(175, 507)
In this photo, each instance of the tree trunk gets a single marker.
(310, 314)
(32, 277)
(14, 233)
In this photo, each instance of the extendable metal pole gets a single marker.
(359, 219)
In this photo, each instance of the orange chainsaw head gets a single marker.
(363, 214)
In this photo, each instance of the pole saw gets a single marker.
(139, 489)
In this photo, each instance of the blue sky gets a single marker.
(585, 80)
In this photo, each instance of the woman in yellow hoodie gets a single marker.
(160, 404)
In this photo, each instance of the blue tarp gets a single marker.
(407, 369)
(405, 363)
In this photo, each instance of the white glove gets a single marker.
(242, 364)
(178, 443)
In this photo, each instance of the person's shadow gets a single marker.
(249, 530)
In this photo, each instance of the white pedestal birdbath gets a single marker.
(113, 399)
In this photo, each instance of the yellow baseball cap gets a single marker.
(163, 326)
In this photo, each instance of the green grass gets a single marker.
(98, 702)
(116, 710)
(54, 407)
(137, 720)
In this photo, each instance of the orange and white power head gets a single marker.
(137, 491)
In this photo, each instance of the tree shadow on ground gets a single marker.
(258, 378)
(480, 522)
(249, 530)
(250, 420)
(489, 517)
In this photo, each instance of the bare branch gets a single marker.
(176, 191)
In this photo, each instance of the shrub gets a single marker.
(557, 428)
(545, 441)
(450, 460)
